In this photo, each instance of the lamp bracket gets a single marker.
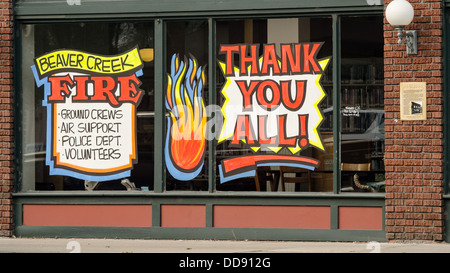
(411, 42)
(410, 37)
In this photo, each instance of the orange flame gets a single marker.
(185, 140)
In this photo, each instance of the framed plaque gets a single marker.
(413, 101)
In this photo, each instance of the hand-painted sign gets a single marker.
(185, 139)
(271, 103)
(91, 103)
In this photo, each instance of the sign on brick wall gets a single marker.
(413, 100)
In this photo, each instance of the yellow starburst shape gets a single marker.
(232, 105)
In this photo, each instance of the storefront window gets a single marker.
(185, 150)
(271, 116)
(94, 38)
(362, 104)
(268, 125)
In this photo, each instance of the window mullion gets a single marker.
(159, 107)
(336, 103)
(211, 100)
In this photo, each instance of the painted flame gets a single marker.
(186, 125)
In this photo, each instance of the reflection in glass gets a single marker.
(362, 105)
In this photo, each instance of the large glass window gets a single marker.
(269, 177)
(186, 154)
(278, 75)
(362, 104)
(96, 38)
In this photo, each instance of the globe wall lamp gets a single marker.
(400, 13)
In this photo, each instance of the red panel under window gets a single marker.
(183, 216)
(272, 217)
(366, 218)
(88, 215)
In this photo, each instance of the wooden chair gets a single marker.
(357, 167)
(299, 176)
(265, 174)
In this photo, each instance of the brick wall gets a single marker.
(414, 149)
(6, 118)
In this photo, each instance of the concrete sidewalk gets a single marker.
(51, 245)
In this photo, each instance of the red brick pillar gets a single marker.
(414, 149)
(6, 118)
